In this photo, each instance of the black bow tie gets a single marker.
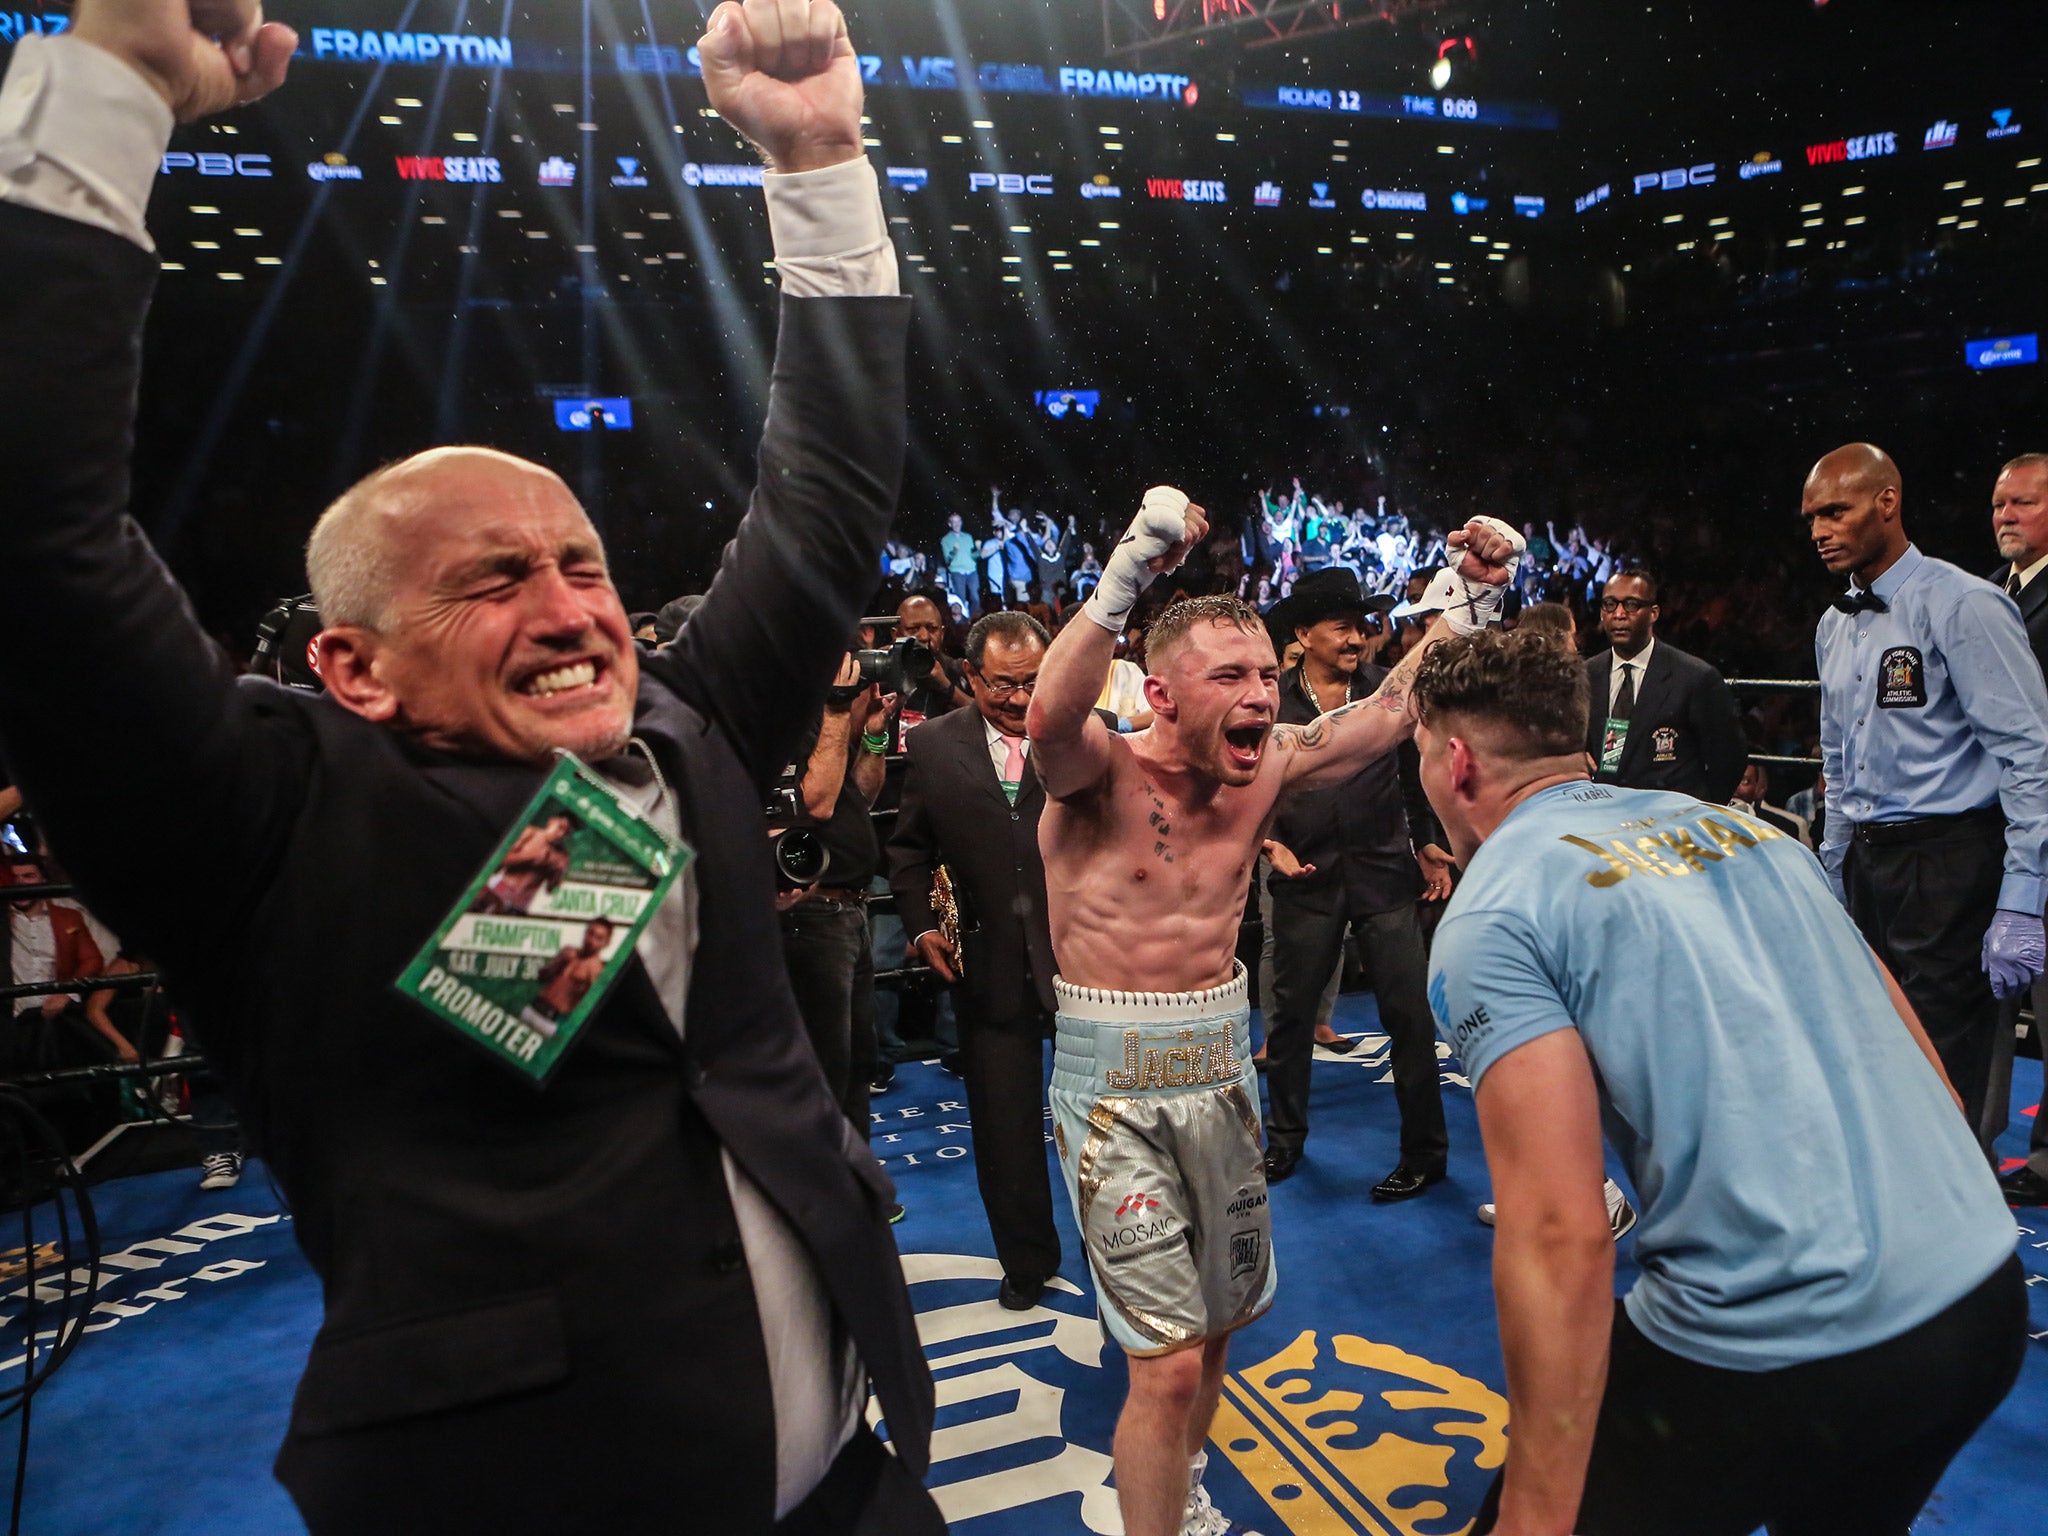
(1862, 601)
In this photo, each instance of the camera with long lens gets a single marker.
(899, 668)
(801, 857)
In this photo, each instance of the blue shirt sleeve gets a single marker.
(1490, 988)
(1998, 683)
(1834, 839)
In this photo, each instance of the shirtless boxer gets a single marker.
(1149, 841)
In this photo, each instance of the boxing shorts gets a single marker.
(1155, 1107)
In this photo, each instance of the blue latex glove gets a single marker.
(2015, 952)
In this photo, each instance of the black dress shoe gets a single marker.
(2023, 1186)
(1280, 1164)
(950, 1062)
(1343, 1045)
(1405, 1183)
(884, 1078)
(1020, 1297)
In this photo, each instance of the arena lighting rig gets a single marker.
(1131, 28)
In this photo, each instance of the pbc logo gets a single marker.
(216, 165)
(1009, 183)
(1136, 1205)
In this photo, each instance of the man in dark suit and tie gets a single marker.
(971, 801)
(1661, 718)
(651, 1293)
(2019, 522)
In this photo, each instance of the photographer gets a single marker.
(826, 857)
(920, 673)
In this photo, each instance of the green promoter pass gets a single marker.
(548, 923)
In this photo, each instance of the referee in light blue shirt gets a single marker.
(1934, 744)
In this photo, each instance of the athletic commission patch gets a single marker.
(1901, 679)
(1362, 1436)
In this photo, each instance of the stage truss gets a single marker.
(1132, 28)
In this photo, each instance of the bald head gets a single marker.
(362, 543)
(1862, 466)
(1851, 509)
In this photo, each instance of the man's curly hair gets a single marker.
(1184, 613)
(1532, 694)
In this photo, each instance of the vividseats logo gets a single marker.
(1365, 1436)
(1869, 146)
(1179, 191)
(463, 168)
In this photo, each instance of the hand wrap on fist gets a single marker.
(1160, 524)
(1469, 605)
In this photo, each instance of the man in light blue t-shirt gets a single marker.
(1829, 1303)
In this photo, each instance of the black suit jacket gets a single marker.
(1362, 834)
(2033, 601)
(954, 813)
(496, 1260)
(1685, 731)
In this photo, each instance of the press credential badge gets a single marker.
(542, 932)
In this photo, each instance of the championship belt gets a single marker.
(947, 907)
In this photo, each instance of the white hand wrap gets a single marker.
(1468, 606)
(1161, 522)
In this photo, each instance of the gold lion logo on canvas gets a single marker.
(1365, 1438)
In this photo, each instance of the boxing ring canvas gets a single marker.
(1367, 1402)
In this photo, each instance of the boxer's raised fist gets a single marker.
(202, 56)
(784, 74)
(1490, 550)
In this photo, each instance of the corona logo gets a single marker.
(1363, 1437)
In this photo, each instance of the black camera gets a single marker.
(907, 662)
(801, 857)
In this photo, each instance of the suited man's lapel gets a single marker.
(1598, 672)
(1653, 696)
(978, 766)
(2033, 599)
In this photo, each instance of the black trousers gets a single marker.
(1308, 938)
(865, 1492)
(825, 946)
(1923, 894)
(1002, 1062)
(1847, 1446)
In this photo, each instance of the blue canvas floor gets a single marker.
(1368, 1400)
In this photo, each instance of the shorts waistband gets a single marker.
(1153, 1042)
(1096, 1005)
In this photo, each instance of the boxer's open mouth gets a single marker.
(1245, 743)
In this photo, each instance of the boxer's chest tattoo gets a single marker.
(1160, 820)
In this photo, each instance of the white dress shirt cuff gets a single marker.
(82, 135)
(829, 233)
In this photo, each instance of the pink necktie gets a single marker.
(1013, 764)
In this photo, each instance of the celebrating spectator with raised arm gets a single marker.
(663, 1271)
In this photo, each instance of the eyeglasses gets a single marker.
(1628, 605)
(1001, 691)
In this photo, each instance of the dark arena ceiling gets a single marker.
(1664, 250)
